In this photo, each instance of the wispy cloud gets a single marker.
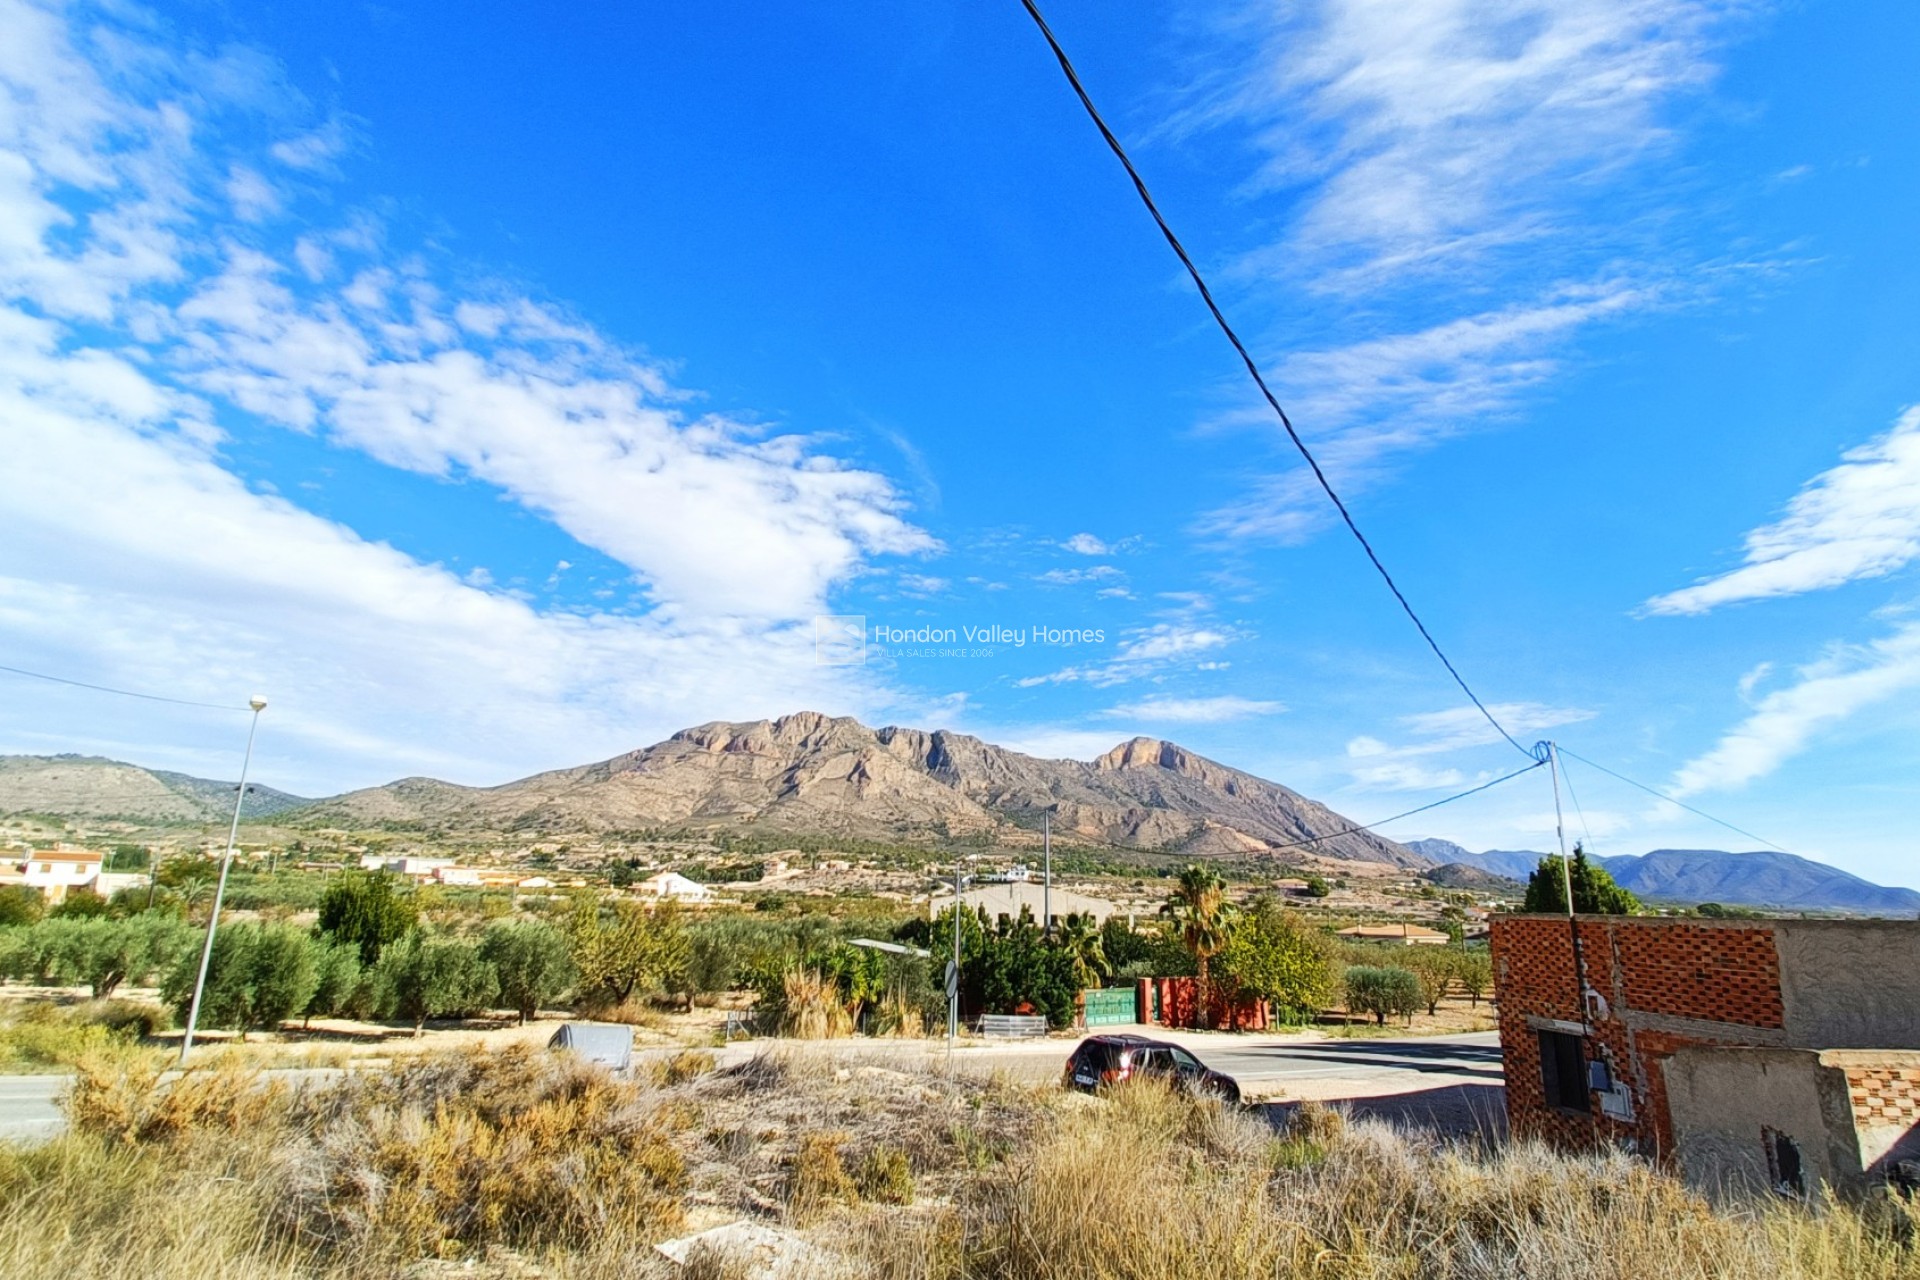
(1380, 766)
(1144, 652)
(1193, 710)
(1848, 680)
(1073, 577)
(1859, 520)
(1426, 132)
(1439, 151)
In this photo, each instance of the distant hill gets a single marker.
(810, 774)
(1469, 876)
(95, 787)
(1760, 879)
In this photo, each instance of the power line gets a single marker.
(1670, 800)
(1253, 369)
(1299, 844)
(1575, 797)
(125, 693)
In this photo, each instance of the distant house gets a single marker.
(54, 872)
(671, 884)
(1409, 935)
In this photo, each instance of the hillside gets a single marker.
(813, 774)
(94, 787)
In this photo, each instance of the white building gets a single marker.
(1008, 897)
(54, 872)
(671, 884)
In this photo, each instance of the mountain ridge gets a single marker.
(808, 773)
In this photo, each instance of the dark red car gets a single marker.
(1101, 1061)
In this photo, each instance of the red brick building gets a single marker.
(1776, 1051)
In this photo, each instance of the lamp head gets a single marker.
(257, 702)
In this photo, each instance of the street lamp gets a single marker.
(258, 704)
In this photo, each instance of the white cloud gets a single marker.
(1193, 710)
(1087, 545)
(1073, 577)
(1433, 130)
(1379, 766)
(1848, 680)
(1471, 171)
(1859, 520)
(134, 556)
(1145, 651)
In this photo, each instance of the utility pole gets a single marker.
(1046, 874)
(258, 704)
(1560, 826)
(953, 970)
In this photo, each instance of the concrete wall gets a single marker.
(1850, 984)
(1722, 1100)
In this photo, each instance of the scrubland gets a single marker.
(515, 1163)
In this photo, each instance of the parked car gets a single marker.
(1102, 1061)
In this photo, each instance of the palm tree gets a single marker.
(1080, 940)
(1199, 909)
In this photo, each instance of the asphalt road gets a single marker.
(1450, 1082)
(27, 1108)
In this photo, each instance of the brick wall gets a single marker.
(1666, 984)
(1885, 1096)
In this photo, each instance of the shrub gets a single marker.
(1382, 991)
(132, 1018)
(817, 1178)
(21, 904)
(810, 1007)
(886, 1176)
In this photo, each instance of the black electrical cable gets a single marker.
(1300, 844)
(1670, 800)
(1253, 369)
(125, 693)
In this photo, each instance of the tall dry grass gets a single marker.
(520, 1164)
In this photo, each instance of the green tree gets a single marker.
(21, 904)
(1433, 968)
(1317, 886)
(1594, 892)
(1200, 913)
(530, 961)
(1475, 973)
(1381, 991)
(368, 910)
(338, 977)
(79, 904)
(1272, 955)
(624, 946)
(103, 952)
(258, 975)
(1083, 945)
(432, 976)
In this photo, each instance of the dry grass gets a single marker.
(813, 1010)
(521, 1164)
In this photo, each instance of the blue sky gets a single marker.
(498, 393)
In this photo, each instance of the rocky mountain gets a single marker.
(1758, 879)
(803, 774)
(1475, 879)
(814, 774)
(95, 787)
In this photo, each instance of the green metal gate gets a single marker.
(1110, 1006)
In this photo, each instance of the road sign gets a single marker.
(953, 979)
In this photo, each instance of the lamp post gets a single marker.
(258, 704)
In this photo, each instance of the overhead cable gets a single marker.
(1253, 369)
(124, 693)
(1368, 826)
(1652, 791)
